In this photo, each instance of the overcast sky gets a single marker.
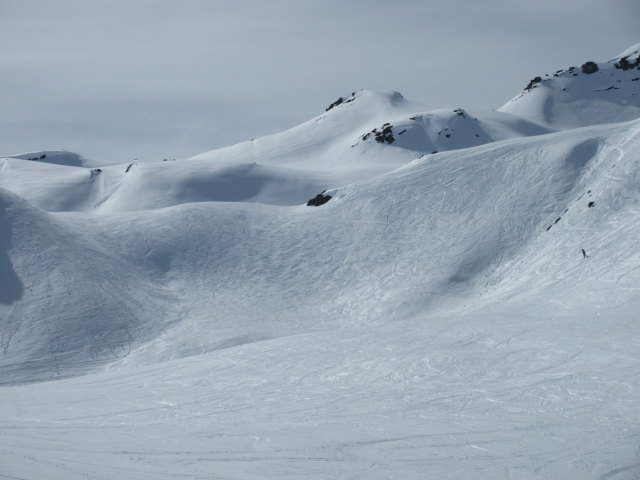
(153, 79)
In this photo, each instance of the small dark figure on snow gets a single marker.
(584, 254)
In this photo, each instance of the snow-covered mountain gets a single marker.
(590, 94)
(59, 157)
(344, 145)
(435, 318)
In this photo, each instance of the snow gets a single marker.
(287, 168)
(571, 98)
(476, 397)
(631, 52)
(435, 319)
(56, 157)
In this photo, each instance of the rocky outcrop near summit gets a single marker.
(591, 94)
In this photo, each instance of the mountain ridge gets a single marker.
(594, 93)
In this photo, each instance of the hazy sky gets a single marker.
(147, 79)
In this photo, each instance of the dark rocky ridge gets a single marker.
(625, 64)
(382, 135)
(341, 100)
(628, 62)
(318, 200)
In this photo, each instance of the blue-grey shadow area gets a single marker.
(235, 184)
(11, 288)
(581, 154)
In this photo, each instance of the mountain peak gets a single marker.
(590, 94)
(392, 97)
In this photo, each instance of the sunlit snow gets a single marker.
(436, 318)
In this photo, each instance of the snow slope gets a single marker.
(434, 319)
(56, 157)
(404, 306)
(483, 396)
(67, 305)
(333, 149)
(591, 94)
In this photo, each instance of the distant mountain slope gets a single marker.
(365, 135)
(590, 94)
(449, 129)
(352, 135)
(56, 157)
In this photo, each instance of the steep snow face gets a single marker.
(590, 94)
(66, 305)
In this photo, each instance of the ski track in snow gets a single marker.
(435, 319)
(478, 397)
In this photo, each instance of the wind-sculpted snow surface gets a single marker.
(67, 305)
(521, 395)
(423, 322)
(435, 319)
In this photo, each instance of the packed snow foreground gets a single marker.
(433, 317)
